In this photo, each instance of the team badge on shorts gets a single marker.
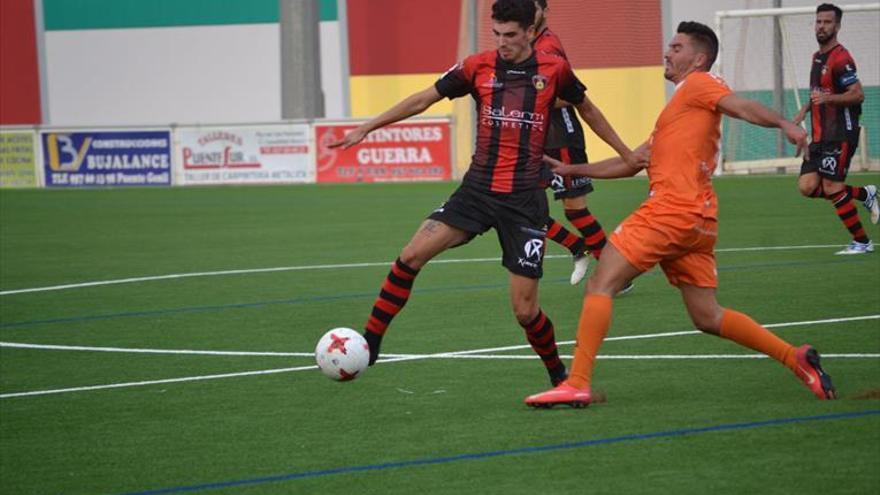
(829, 164)
(534, 251)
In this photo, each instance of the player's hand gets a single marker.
(797, 136)
(637, 159)
(350, 139)
(643, 154)
(555, 165)
(820, 98)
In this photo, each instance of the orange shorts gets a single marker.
(682, 243)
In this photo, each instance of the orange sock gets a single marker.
(743, 330)
(592, 329)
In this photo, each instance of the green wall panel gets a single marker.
(110, 14)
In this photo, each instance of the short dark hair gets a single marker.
(702, 36)
(542, 3)
(830, 7)
(520, 11)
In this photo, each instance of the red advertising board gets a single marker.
(411, 151)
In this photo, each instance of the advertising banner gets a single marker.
(17, 157)
(411, 151)
(265, 154)
(106, 158)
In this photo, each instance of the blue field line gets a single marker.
(503, 453)
(360, 295)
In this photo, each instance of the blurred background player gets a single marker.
(676, 227)
(565, 142)
(515, 88)
(835, 105)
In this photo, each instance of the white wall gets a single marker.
(208, 74)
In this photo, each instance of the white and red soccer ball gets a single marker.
(342, 354)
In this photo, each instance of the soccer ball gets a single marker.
(342, 354)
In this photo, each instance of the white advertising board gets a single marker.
(246, 154)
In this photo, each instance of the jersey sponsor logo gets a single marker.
(516, 72)
(510, 118)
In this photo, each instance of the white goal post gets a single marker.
(764, 54)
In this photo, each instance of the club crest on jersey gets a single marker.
(539, 81)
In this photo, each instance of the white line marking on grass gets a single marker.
(19, 345)
(156, 382)
(334, 267)
(639, 357)
(392, 358)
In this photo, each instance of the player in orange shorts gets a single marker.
(676, 227)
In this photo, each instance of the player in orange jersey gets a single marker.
(676, 227)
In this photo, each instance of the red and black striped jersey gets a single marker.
(833, 72)
(513, 106)
(565, 129)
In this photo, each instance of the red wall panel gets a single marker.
(402, 37)
(596, 33)
(19, 74)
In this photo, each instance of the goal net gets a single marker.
(765, 54)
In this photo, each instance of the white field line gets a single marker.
(50, 347)
(53, 347)
(638, 357)
(474, 353)
(332, 267)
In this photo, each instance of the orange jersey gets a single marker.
(684, 147)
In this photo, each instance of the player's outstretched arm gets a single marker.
(599, 124)
(611, 168)
(753, 112)
(413, 104)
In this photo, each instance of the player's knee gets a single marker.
(525, 311)
(412, 257)
(808, 190)
(708, 322)
(600, 285)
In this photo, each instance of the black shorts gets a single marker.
(518, 218)
(569, 187)
(830, 159)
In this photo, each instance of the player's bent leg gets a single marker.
(740, 328)
(810, 185)
(613, 271)
(432, 238)
(538, 327)
(841, 197)
(703, 308)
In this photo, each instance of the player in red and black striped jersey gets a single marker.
(835, 105)
(514, 88)
(565, 142)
